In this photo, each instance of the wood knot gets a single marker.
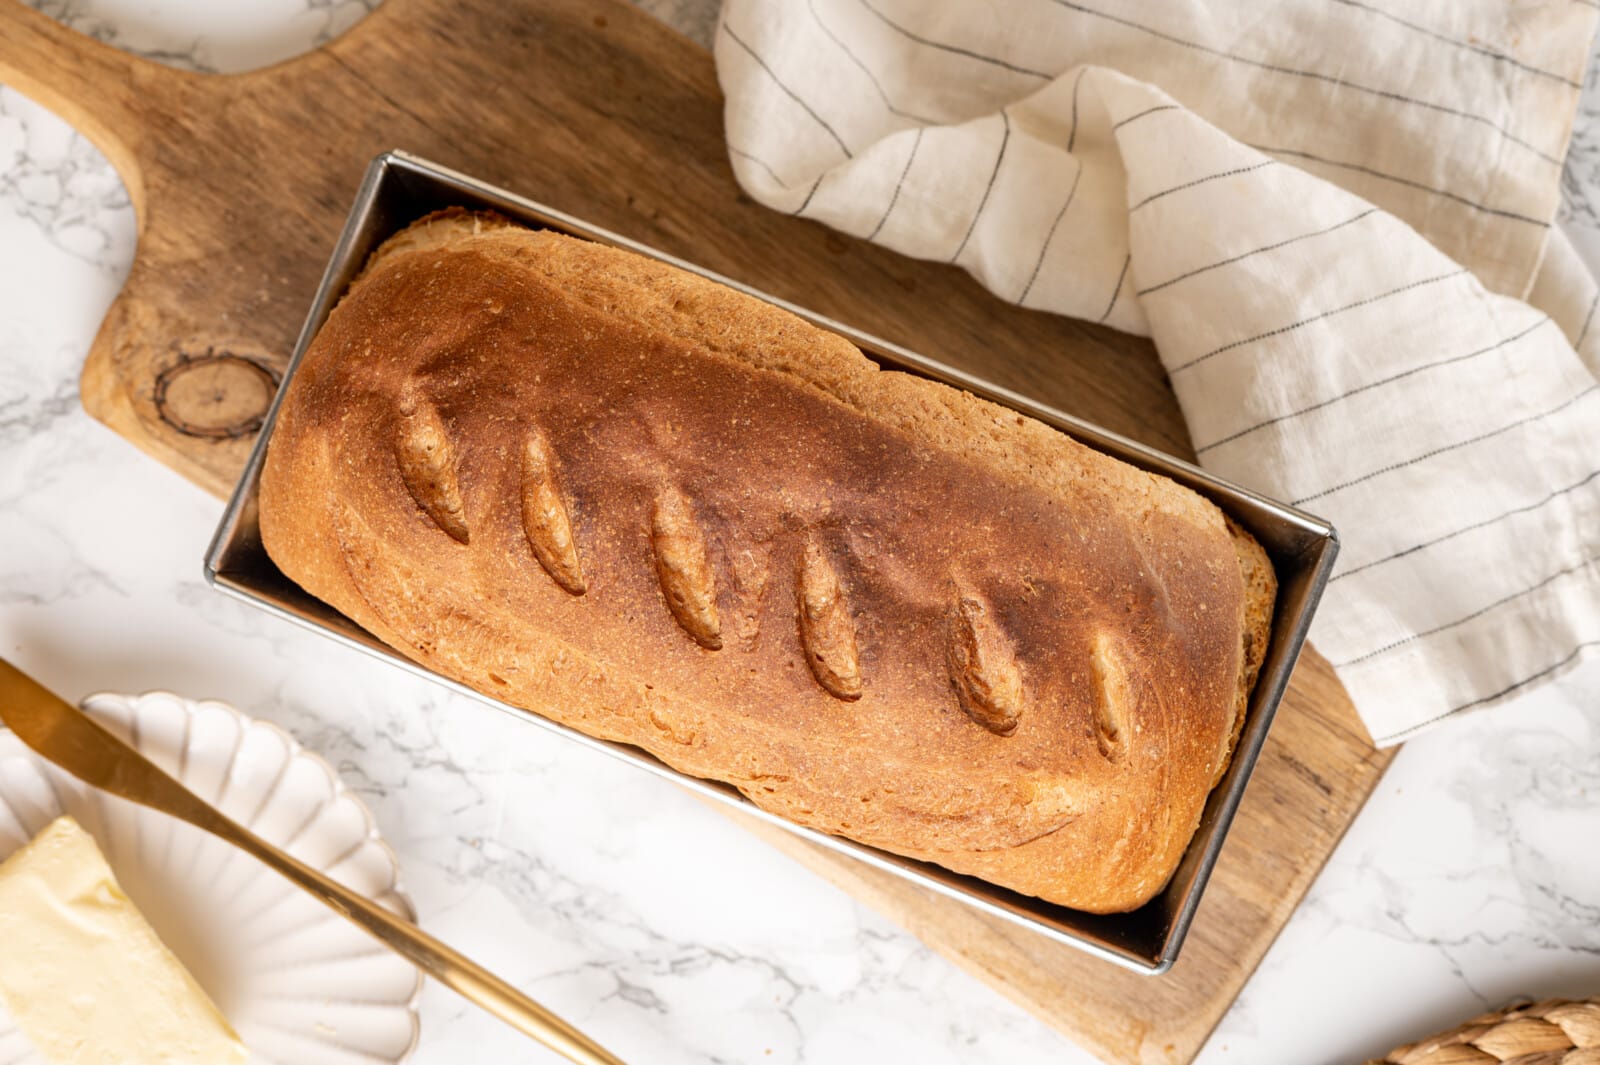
(215, 396)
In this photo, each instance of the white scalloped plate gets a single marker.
(301, 986)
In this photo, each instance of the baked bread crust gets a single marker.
(665, 513)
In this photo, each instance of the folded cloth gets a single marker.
(1326, 213)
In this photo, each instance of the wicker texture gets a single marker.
(1554, 1032)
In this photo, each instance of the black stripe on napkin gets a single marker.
(788, 91)
(1000, 157)
(1407, 287)
(1371, 385)
(1419, 186)
(895, 198)
(1467, 45)
(1255, 251)
(1480, 612)
(1557, 409)
(1557, 494)
(979, 56)
(1201, 181)
(1330, 79)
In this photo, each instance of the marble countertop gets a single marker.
(1473, 875)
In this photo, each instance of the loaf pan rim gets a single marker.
(1318, 544)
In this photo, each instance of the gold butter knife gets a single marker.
(75, 742)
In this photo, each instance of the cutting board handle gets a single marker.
(106, 94)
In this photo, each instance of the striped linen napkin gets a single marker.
(1334, 219)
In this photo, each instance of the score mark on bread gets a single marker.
(1113, 697)
(684, 568)
(826, 630)
(544, 516)
(983, 668)
(428, 465)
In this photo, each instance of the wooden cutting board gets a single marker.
(241, 183)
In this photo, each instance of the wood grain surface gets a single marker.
(241, 183)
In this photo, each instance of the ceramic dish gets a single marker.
(301, 986)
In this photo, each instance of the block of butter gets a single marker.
(82, 973)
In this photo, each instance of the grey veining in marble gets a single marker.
(1473, 876)
(61, 184)
(1580, 177)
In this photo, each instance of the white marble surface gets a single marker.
(1473, 875)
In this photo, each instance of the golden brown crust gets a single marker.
(877, 605)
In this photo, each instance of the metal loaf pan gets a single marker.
(400, 188)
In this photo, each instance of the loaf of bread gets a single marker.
(662, 512)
